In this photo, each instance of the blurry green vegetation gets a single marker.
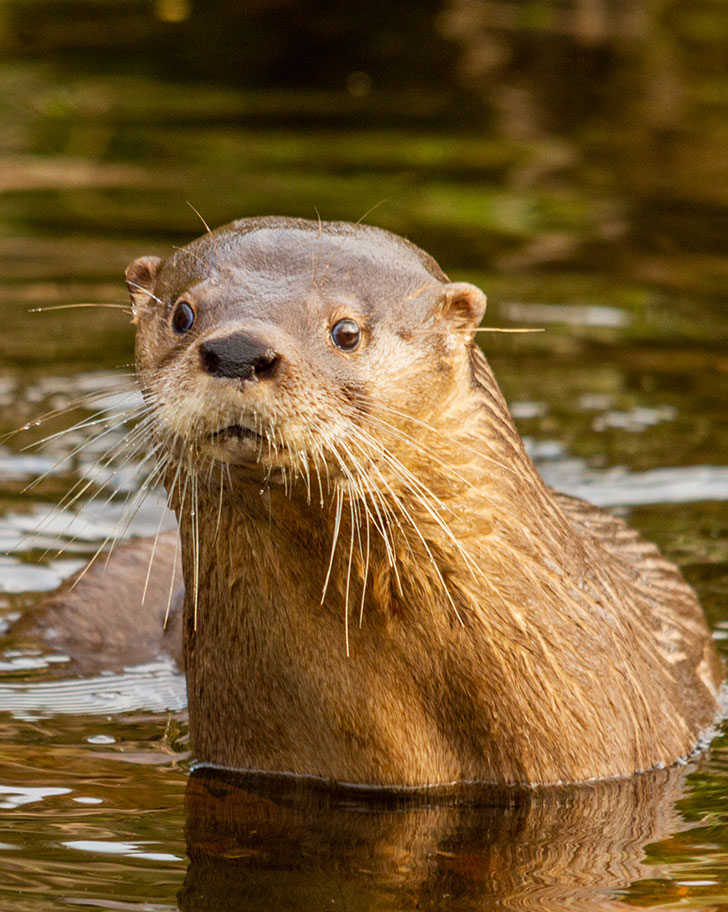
(512, 136)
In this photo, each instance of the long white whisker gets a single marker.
(366, 570)
(171, 584)
(348, 577)
(77, 403)
(334, 540)
(81, 446)
(196, 540)
(151, 556)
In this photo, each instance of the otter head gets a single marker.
(281, 343)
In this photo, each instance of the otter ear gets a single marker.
(140, 278)
(463, 306)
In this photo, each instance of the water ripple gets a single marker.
(618, 486)
(156, 687)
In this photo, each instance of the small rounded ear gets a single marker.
(463, 306)
(140, 278)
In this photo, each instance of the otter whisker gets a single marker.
(384, 518)
(121, 418)
(103, 462)
(317, 458)
(318, 453)
(400, 469)
(378, 504)
(172, 485)
(352, 473)
(56, 511)
(73, 495)
(76, 403)
(64, 501)
(413, 523)
(211, 235)
(218, 518)
(468, 332)
(131, 442)
(377, 500)
(366, 569)
(301, 458)
(406, 474)
(334, 540)
(348, 576)
(420, 447)
(473, 567)
(408, 516)
(370, 210)
(359, 505)
(183, 466)
(138, 500)
(125, 307)
(151, 556)
(479, 453)
(421, 493)
(147, 292)
(326, 471)
(388, 517)
(171, 583)
(131, 506)
(196, 547)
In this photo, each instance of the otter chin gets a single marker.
(379, 588)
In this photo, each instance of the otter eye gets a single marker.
(346, 335)
(183, 318)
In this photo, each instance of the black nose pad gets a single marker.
(239, 356)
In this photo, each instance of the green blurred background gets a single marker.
(510, 135)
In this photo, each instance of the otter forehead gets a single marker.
(275, 260)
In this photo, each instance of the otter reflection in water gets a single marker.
(257, 843)
(379, 588)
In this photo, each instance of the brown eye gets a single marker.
(346, 335)
(183, 318)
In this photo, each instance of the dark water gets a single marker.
(572, 161)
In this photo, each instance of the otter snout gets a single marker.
(240, 357)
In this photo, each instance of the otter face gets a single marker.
(266, 341)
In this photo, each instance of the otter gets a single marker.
(379, 588)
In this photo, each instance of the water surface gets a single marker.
(618, 253)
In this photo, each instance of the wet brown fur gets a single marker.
(474, 625)
(103, 619)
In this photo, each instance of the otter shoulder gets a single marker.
(674, 611)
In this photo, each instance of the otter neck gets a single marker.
(259, 630)
(338, 650)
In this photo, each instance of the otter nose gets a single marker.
(239, 356)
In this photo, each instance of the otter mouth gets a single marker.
(242, 434)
